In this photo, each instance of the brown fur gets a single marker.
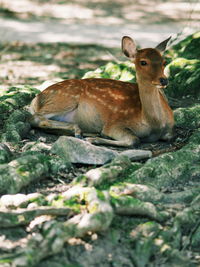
(120, 110)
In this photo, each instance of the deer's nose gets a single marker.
(164, 81)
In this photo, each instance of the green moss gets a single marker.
(188, 118)
(32, 165)
(3, 261)
(76, 203)
(73, 203)
(80, 180)
(124, 200)
(93, 208)
(116, 170)
(118, 71)
(184, 77)
(172, 169)
(15, 98)
(21, 171)
(134, 166)
(196, 238)
(101, 195)
(5, 154)
(187, 48)
(16, 126)
(58, 165)
(40, 201)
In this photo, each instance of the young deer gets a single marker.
(122, 111)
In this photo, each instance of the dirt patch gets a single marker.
(35, 64)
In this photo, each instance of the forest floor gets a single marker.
(36, 50)
(34, 64)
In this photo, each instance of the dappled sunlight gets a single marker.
(66, 11)
(160, 12)
(110, 36)
(100, 22)
(19, 72)
(118, 9)
(35, 64)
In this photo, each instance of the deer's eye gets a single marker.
(164, 63)
(143, 63)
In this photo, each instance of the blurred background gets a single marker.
(96, 21)
(42, 39)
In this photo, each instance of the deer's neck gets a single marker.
(152, 103)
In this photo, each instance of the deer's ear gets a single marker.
(128, 47)
(162, 46)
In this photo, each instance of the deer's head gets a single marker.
(149, 62)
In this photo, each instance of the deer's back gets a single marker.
(108, 95)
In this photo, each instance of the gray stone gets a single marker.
(79, 151)
(75, 150)
(137, 154)
(36, 146)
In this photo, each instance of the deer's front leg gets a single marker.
(53, 126)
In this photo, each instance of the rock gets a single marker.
(78, 151)
(75, 150)
(137, 154)
(36, 146)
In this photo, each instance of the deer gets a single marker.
(111, 112)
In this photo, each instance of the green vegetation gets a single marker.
(172, 169)
(184, 77)
(188, 118)
(188, 48)
(123, 71)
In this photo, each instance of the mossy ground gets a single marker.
(175, 171)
